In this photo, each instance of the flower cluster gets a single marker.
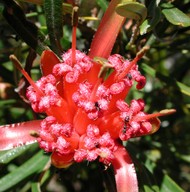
(86, 109)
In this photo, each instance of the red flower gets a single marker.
(86, 112)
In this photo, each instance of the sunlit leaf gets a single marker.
(185, 158)
(9, 155)
(36, 187)
(150, 188)
(132, 10)
(169, 185)
(176, 17)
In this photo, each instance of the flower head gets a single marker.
(86, 111)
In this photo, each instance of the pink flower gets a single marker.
(86, 112)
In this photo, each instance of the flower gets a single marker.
(86, 111)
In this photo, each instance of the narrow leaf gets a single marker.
(36, 187)
(176, 17)
(54, 19)
(23, 27)
(103, 4)
(182, 87)
(19, 134)
(9, 155)
(34, 165)
(169, 185)
(185, 158)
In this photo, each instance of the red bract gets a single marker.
(87, 116)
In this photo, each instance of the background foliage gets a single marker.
(162, 160)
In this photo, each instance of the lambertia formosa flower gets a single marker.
(86, 112)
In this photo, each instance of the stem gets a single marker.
(125, 175)
(107, 32)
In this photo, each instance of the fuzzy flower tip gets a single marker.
(86, 111)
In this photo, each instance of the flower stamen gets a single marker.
(18, 65)
(74, 24)
(139, 55)
(154, 115)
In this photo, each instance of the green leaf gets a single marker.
(36, 187)
(185, 158)
(54, 20)
(146, 179)
(103, 4)
(34, 165)
(132, 10)
(182, 87)
(9, 155)
(150, 188)
(169, 185)
(176, 17)
(23, 27)
(154, 15)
